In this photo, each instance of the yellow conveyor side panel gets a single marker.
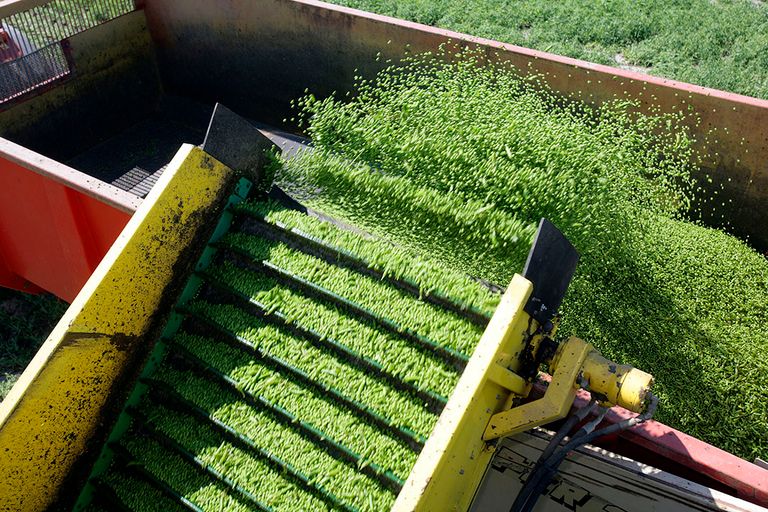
(53, 412)
(455, 457)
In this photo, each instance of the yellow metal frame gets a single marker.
(58, 408)
(455, 457)
(555, 403)
(59, 403)
(618, 384)
(575, 364)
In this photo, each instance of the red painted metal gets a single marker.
(663, 447)
(52, 235)
(9, 279)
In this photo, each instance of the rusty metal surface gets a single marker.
(114, 84)
(257, 56)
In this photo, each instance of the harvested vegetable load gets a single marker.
(478, 155)
(691, 304)
(290, 384)
(458, 161)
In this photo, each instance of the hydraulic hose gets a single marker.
(547, 468)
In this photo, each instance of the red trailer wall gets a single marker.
(55, 222)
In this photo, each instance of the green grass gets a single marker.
(431, 321)
(424, 155)
(139, 495)
(242, 407)
(338, 478)
(395, 355)
(403, 409)
(720, 44)
(25, 322)
(59, 19)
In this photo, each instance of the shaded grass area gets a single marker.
(410, 312)
(25, 321)
(721, 44)
(689, 304)
(386, 259)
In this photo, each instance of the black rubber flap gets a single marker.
(234, 141)
(550, 267)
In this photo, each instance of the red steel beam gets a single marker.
(56, 223)
(666, 448)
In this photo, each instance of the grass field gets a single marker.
(721, 44)
(25, 321)
(60, 19)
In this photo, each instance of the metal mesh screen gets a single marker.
(32, 49)
(31, 71)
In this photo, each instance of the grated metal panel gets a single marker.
(139, 181)
(33, 46)
(32, 71)
(142, 188)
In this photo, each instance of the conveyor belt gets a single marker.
(303, 376)
(137, 156)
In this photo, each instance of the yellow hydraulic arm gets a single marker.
(575, 364)
(485, 406)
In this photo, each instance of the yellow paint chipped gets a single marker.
(49, 417)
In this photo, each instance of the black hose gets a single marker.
(591, 425)
(563, 431)
(540, 481)
(527, 493)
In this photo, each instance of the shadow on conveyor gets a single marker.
(136, 157)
